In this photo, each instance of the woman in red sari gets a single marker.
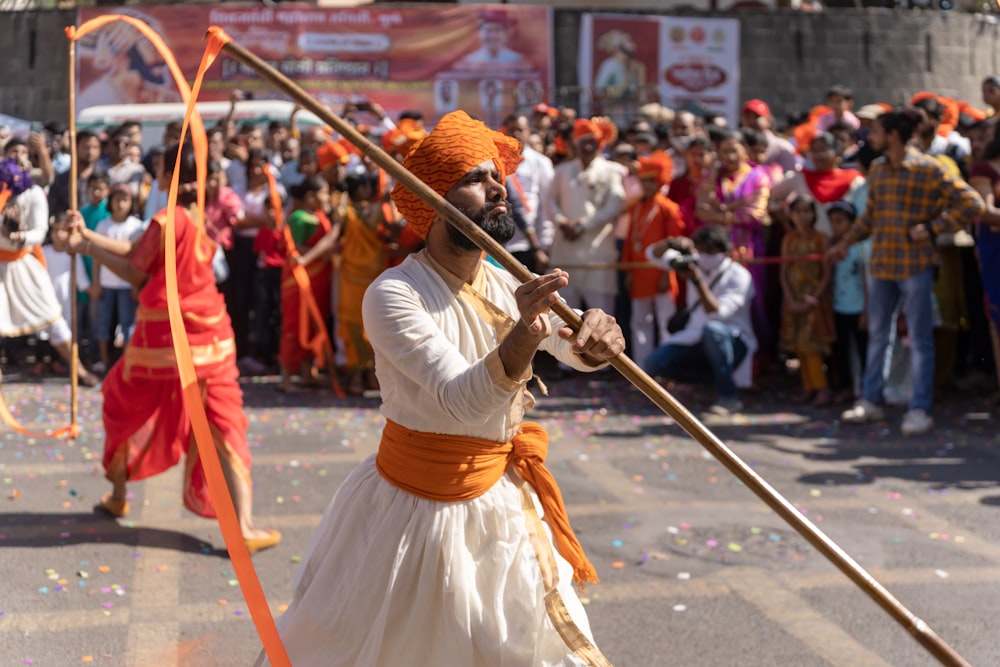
(147, 429)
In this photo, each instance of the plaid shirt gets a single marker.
(921, 190)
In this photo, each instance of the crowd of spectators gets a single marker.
(860, 246)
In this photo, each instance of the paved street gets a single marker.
(695, 569)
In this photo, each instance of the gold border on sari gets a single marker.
(164, 357)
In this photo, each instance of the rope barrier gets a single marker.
(635, 266)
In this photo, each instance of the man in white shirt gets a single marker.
(533, 180)
(717, 337)
(494, 32)
(586, 198)
(434, 546)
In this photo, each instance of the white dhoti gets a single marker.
(392, 578)
(410, 581)
(28, 301)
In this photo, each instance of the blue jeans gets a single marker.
(116, 305)
(883, 296)
(718, 354)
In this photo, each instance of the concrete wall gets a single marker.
(789, 58)
(36, 60)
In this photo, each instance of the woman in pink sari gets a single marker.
(736, 196)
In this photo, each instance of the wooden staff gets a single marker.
(74, 343)
(915, 626)
(632, 266)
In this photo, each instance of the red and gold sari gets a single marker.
(146, 425)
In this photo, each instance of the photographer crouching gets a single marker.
(713, 334)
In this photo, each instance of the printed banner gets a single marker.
(626, 61)
(486, 59)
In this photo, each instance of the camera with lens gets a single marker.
(11, 224)
(683, 261)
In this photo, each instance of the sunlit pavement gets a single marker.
(695, 570)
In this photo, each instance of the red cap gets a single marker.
(758, 107)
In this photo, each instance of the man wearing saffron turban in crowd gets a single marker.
(451, 546)
(585, 199)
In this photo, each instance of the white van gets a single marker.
(155, 117)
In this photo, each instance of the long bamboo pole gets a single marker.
(74, 196)
(914, 625)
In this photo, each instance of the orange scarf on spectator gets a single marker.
(453, 468)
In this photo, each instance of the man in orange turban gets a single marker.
(399, 140)
(937, 135)
(653, 291)
(584, 203)
(409, 546)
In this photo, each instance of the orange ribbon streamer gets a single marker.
(319, 343)
(70, 431)
(228, 522)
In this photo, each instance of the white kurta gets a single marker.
(27, 300)
(594, 197)
(393, 579)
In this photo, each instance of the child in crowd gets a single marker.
(93, 212)
(114, 294)
(850, 288)
(307, 224)
(58, 264)
(364, 255)
(840, 99)
(806, 312)
(654, 292)
(96, 208)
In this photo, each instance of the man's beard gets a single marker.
(500, 228)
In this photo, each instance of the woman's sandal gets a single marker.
(116, 508)
(255, 544)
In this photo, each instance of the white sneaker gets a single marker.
(726, 406)
(99, 367)
(916, 422)
(862, 412)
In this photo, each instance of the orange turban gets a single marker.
(346, 144)
(330, 154)
(658, 165)
(975, 114)
(401, 138)
(602, 129)
(949, 110)
(456, 146)
(806, 132)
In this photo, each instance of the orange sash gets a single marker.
(453, 468)
(14, 255)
